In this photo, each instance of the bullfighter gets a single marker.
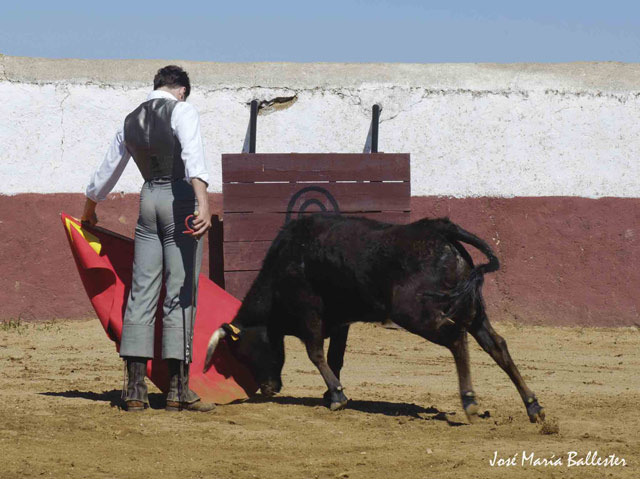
(163, 137)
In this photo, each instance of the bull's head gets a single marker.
(261, 353)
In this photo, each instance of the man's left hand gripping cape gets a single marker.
(105, 263)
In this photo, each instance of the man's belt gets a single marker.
(163, 180)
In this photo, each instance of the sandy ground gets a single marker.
(60, 416)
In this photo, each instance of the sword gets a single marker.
(194, 277)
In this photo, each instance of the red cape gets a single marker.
(105, 261)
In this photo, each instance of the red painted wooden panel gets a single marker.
(265, 226)
(258, 191)
(244, 255)
(351, 197)
(315, 167)
(237, 283)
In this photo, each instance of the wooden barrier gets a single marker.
(262, 192)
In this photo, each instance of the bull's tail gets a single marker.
(454, 233)
(470, 288)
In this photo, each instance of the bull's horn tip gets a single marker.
(211, 347)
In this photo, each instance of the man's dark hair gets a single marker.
(174, 77)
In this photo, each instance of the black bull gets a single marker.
(324, 272)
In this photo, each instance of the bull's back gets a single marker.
(360, 245)
(349, 257)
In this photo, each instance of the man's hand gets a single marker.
(89, 213)
(202, 220)
(201, 223)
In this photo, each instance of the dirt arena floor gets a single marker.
(60, 416)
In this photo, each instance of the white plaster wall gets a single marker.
(522, 138)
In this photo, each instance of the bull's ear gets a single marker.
(233, 331)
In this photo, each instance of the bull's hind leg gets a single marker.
(496, 346)
(460, 351)
(335, 394)
(443, 331)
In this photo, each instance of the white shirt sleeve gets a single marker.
(186, 125)
(109, 170)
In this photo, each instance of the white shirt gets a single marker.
(185, 123)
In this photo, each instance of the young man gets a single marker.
(163, 137)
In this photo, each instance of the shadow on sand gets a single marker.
(386, 408)
(113, 397)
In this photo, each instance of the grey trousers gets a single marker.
(159, 240)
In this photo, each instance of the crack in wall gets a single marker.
(344, 95)
(62, 139)
(430, 92)
(591, 95)
(427, 91)
(342, 92)
(403, 110)
(503, 288)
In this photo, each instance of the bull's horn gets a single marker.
(211, 348)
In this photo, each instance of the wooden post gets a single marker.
(253, 124)
(375, 120)
(216, 253)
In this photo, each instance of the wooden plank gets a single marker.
(252, 226)
(254, 213)
(245, 168)
(238, 283)
(350, 197)
(244, 255)
(243, 259)
(265, 226)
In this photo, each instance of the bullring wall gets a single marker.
(540, 160)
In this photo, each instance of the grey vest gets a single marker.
(150, 140)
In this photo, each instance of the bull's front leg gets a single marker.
(337, 347)
(335, 355)
(335, 395)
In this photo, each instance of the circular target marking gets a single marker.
(312, 201)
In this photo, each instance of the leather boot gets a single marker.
(180, 397)
(135, 396)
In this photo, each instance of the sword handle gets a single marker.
(188, 223)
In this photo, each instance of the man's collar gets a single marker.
(161, 94)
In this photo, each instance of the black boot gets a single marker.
(135, 396)
(180, 396)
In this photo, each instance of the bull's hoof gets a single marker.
(470, 406)
(534, 410)
(335, 400)
(337, 406)
(268, 390)
(472, 412)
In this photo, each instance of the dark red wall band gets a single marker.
(565, 260)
